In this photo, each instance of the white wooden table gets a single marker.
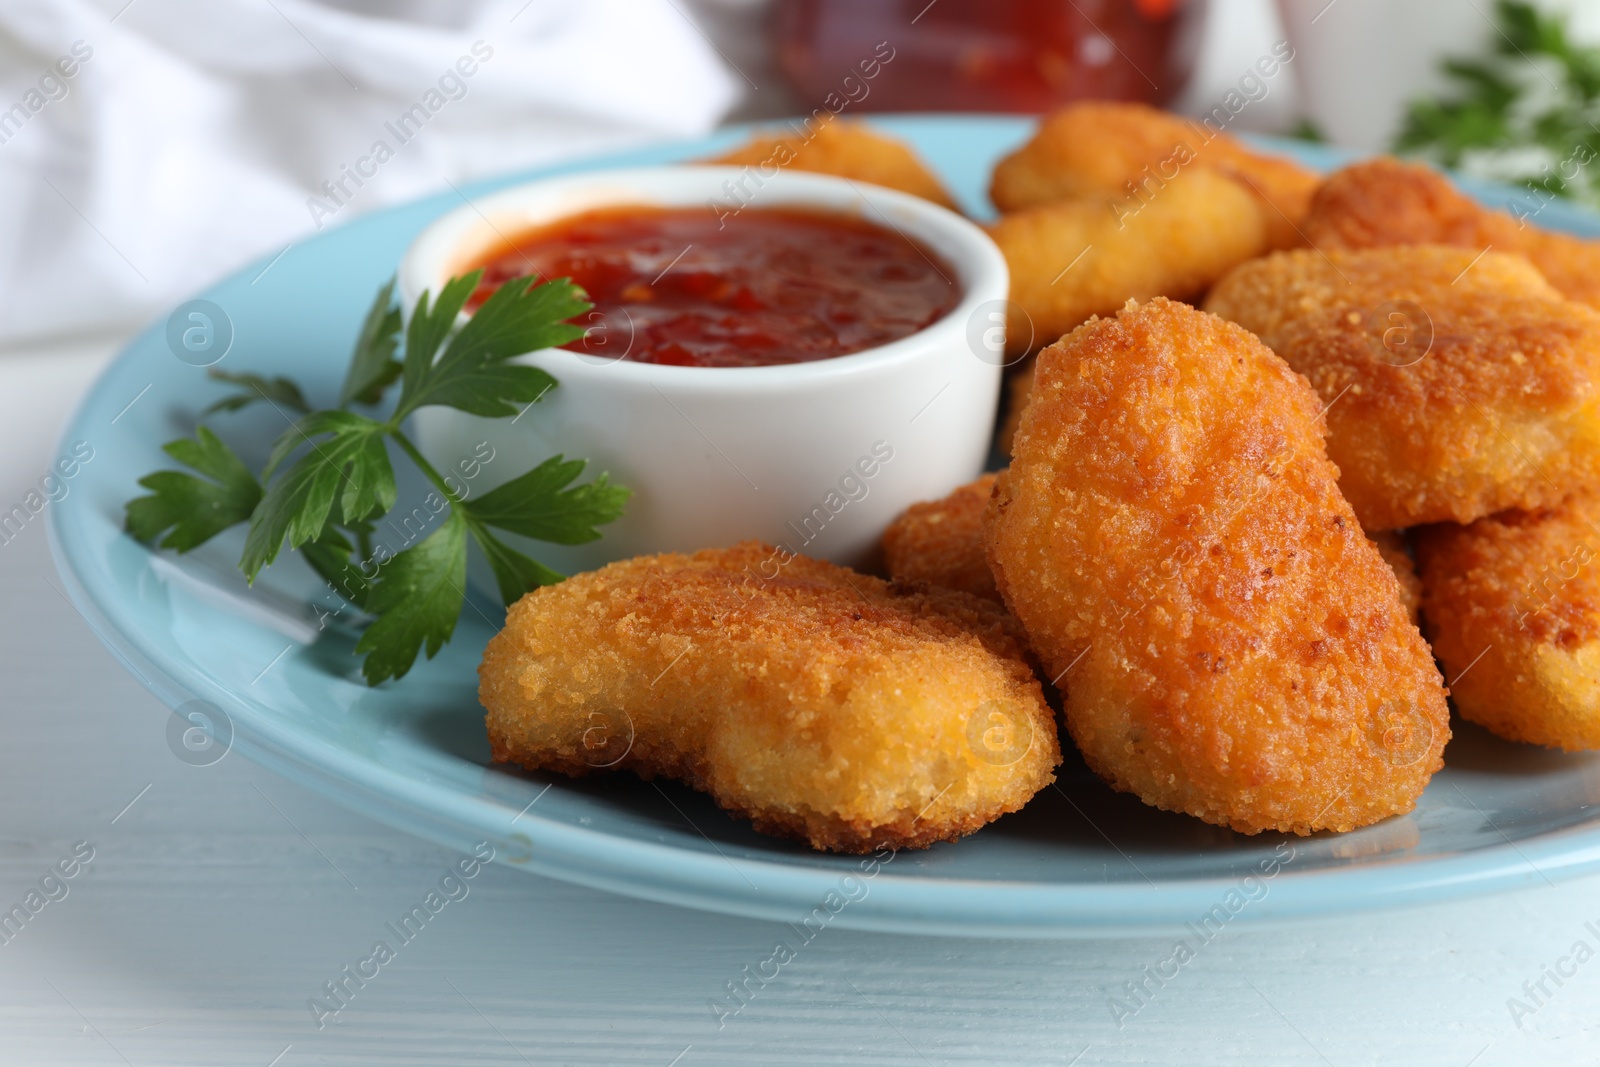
(220, 899)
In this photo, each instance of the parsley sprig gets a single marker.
(1527, 112)
(329, 477)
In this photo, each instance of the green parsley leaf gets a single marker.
(418, 599)
(514, 572)
(538, 504)
(430, 325)
(473, 374)
(349, 466)
(194, 510)
(329, 476)
(329, 556)
(279, 391)
(373, 366)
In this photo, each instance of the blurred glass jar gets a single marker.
(980, 55)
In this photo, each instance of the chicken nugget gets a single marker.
(1458, 383)
(848, 150)
(1392, 547)
(1383, 202)
(1171, 536)
(819, 703)
(941, 542)
(1132, 151)
(1076, 258)
(1019, 384)
(1512, 605)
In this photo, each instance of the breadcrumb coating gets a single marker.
(819, 703)
(1512, 605)
(1019, 383)
(1099, 149)
(1075, 258)
(1172, 537)
(941, 542)
(1458, 383)
(1384, 202)
(1392, 547)
(848, 150)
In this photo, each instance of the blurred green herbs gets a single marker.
(1526, 113)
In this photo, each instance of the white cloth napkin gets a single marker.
(147, 147)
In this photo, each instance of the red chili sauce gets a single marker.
(765, 286)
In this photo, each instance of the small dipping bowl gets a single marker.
(816, 457)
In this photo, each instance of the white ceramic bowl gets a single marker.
(817, 457)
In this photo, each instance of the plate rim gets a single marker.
(708, 881)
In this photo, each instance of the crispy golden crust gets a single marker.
(1076, 258)
(1171, 536)
(1384, 202)
(821, 704)
(1095, 150)
(1019, 384)
(848, 150)
(941, 542)
(1512, 605)
(1500, 410)
(1392, 547)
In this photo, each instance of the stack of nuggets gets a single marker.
(1384, 203)
(1457, 383)
(1458, 354)
(1179, 542)
(1165, 534)
(1484, 422)
(1110, 202)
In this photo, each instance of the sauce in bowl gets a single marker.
(768, 286)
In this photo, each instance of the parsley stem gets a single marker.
(423, 465)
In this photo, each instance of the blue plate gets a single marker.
(1079, 860)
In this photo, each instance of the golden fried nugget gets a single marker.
(821, 704)
(1076, 258)
(1383, 202)
(1458, 383)
(1512, 604)
(941, 542)
(1132, 151)
(1018, 385)
(1392, 547)
(1171, 536)
(849, 150)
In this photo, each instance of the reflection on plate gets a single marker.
(1079, 860)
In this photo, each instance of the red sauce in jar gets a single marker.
(767, 286)
(979, 55)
